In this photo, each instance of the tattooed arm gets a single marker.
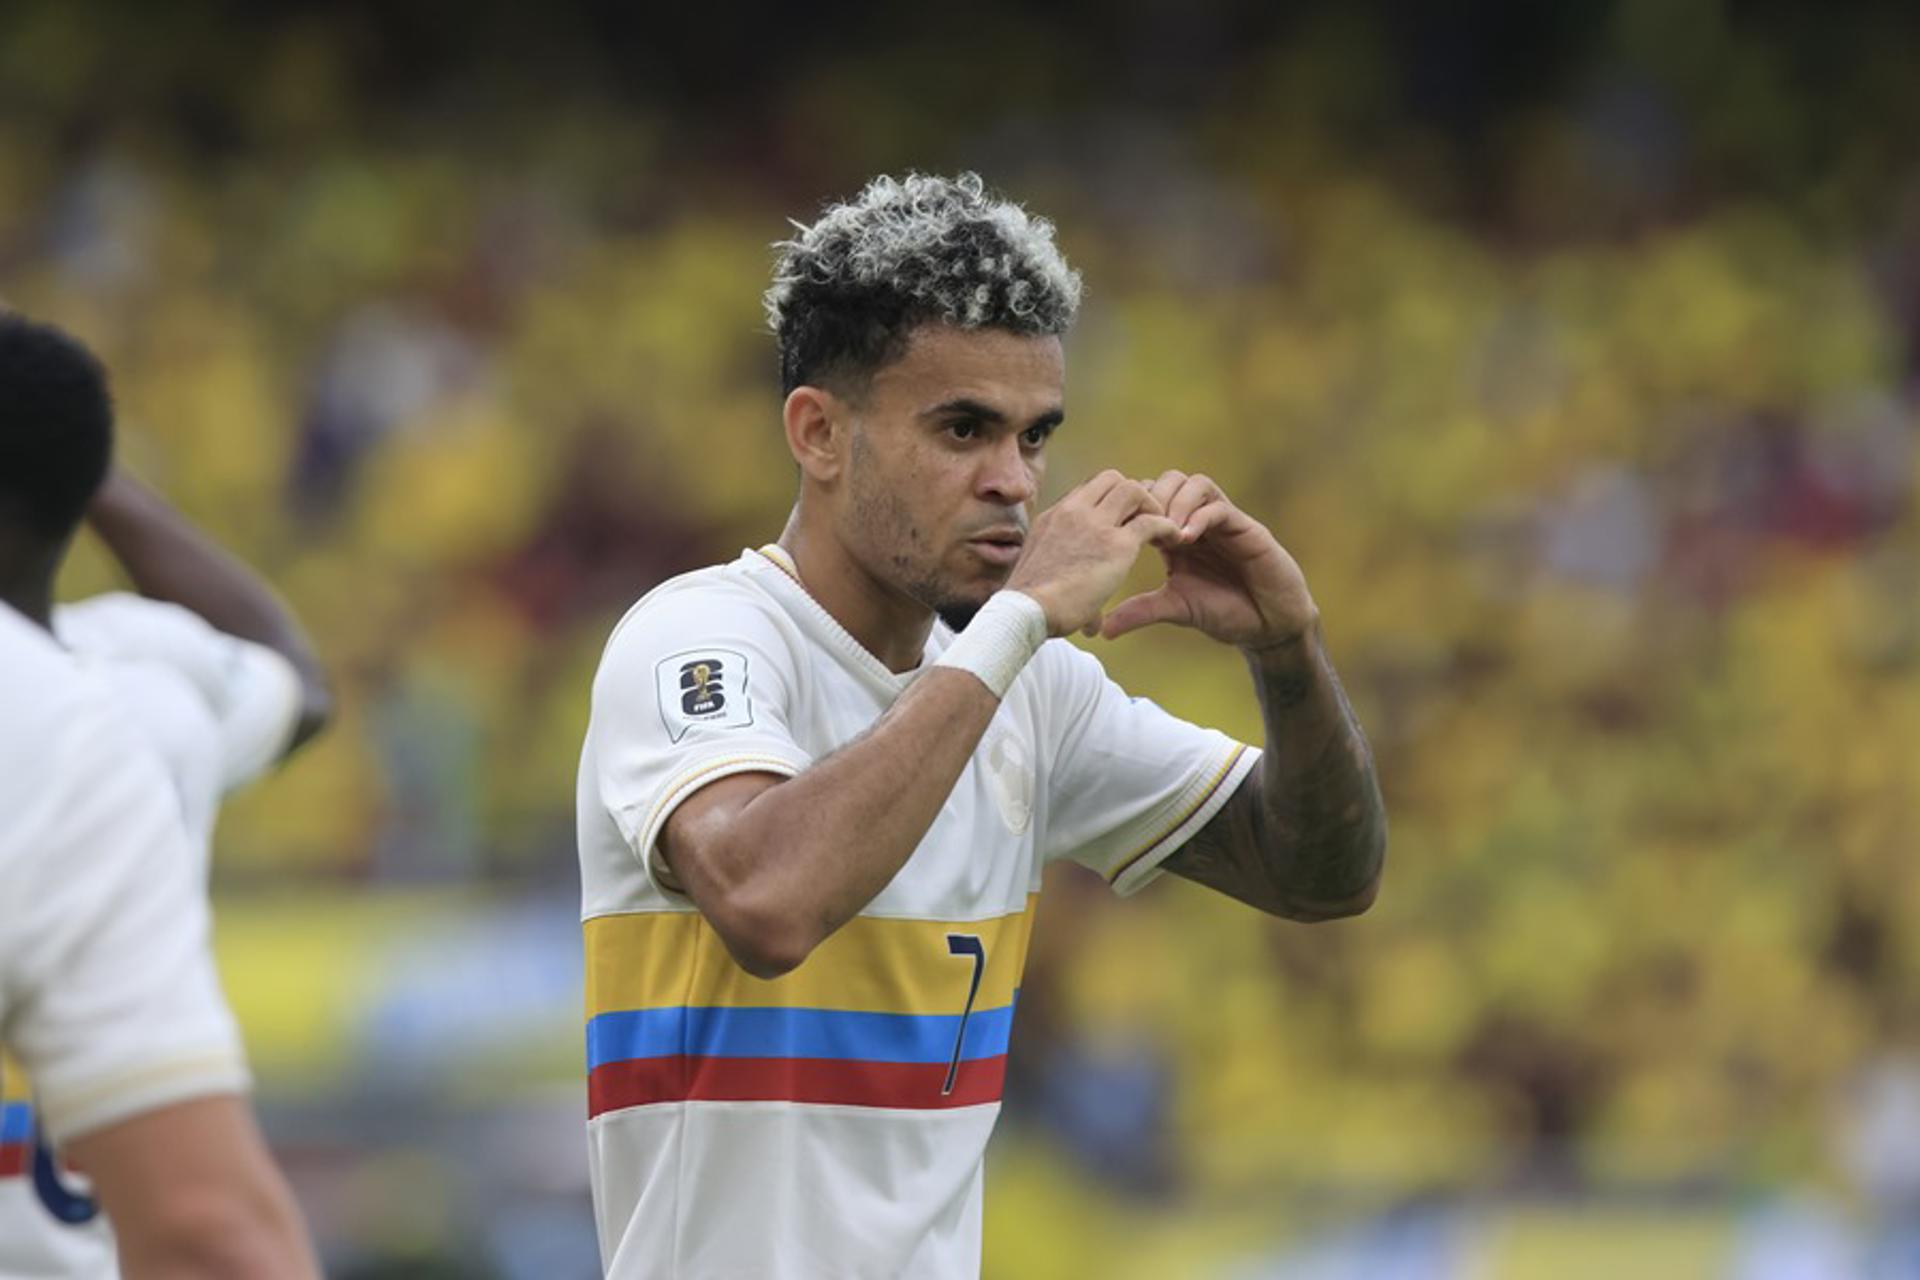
(1305, 837)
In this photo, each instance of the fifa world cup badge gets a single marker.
(705, 688)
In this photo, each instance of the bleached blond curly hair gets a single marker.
(849, 289)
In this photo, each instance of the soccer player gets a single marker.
(219, 710)
(108, 997)
(821, 782)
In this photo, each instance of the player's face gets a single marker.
(948, 451)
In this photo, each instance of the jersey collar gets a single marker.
(896, 682)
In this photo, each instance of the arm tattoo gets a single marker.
(1305, 836)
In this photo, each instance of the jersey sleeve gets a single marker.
(1129, 783)
(108, 994)
(695, 687)
(253, 693)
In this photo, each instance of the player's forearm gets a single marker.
(169, 559)
(1323, 828)
(193, 1192)
(802, 858)
(244, 1240)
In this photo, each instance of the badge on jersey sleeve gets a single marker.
(703, 687)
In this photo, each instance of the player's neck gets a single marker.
(26, 578)
(890, 626)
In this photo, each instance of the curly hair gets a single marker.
(56, 427)
(849, 290)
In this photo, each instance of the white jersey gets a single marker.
(216, 711)
(832, 1122)
(108, 996)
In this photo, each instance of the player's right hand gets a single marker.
(1082, 547)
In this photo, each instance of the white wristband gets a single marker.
(1001, 639)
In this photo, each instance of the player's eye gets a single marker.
(1034, 437)
(964, 429)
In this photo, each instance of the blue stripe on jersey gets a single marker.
(709, 1032)
(16, 1122)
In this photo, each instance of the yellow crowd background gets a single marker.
(1599, 458)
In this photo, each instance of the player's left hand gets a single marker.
(1227, 575)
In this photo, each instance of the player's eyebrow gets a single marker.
(967, 407)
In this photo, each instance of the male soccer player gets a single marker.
(813, 814)
(108, 997)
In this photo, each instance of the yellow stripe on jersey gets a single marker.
(872, 964)
(13, 1081)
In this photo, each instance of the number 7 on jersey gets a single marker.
(964, 944)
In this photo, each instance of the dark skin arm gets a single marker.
(169, 559)
(1305, 836)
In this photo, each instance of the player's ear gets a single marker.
(814, 418)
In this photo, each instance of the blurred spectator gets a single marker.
(384, 369)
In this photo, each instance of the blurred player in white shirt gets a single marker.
(211, 665)
(126, 719)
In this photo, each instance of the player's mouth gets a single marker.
(999, 546)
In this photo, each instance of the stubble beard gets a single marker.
(900, 547)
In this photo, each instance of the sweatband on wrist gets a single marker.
(1006, 633)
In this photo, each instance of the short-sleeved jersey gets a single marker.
(219, 710)
(215, 711)
(108, 996)
(832, 1122)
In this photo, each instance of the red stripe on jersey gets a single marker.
(637, 1082)
(13, 1159)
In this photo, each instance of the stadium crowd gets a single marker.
(1604, 477)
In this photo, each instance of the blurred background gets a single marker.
(1572, 349)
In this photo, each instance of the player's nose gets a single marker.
(1007, 475)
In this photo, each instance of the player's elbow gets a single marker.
(1370, 860)
(767, 963)
(1363, 901)
(316, 709)
(764, 936)
(1315, 912)
(767, 951)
